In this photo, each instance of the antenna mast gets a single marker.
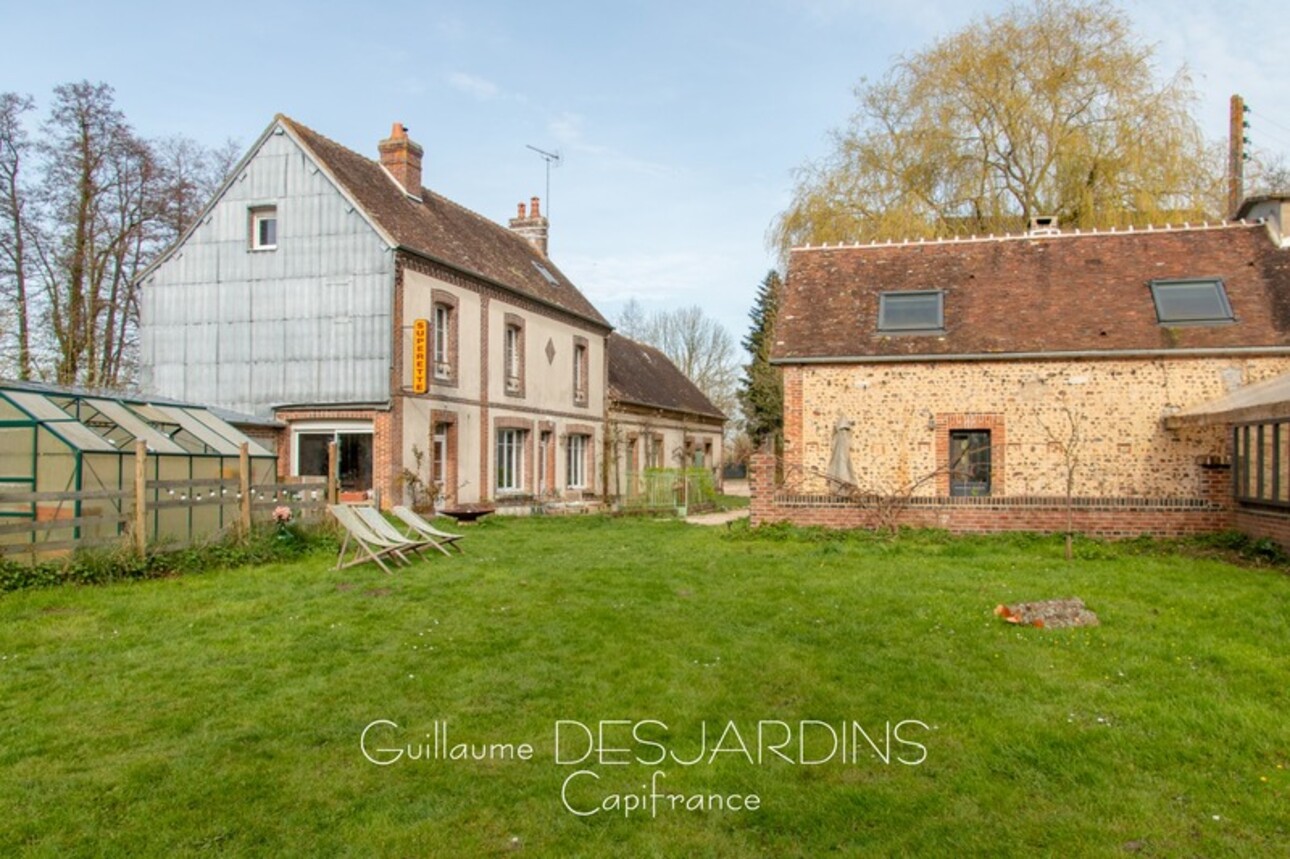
(550, 158)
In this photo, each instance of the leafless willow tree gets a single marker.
(1050, 107)
(84, 207)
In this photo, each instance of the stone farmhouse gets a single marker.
(336, 295)
(1003, 383)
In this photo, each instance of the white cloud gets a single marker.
(473, 85)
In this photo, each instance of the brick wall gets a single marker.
(1099, 517)
(1264, 523)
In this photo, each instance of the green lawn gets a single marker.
(222, 712)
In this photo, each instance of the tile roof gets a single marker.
(445, 231)
(1070, 292)
(642, 375)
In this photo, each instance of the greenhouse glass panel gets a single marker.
(136, 427)
(16, 449)
(10, 412)
(228, 431)
(213, 440)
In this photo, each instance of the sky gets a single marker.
(679, 124)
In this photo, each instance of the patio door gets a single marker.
(353, 453)
(439, 465)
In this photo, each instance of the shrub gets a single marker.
(120, 563)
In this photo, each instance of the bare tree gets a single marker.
(189, 174)
(82, 212)
(699, 347)
(1067, 437)
(632, 320)
(15, 147)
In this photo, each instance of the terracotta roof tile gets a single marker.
(443, 230)
(642, 375)
(1085, 292)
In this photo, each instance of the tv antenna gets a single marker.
(550, 158)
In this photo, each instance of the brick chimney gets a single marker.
(532, 227)
(402, 158)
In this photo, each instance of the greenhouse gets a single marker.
(69, 465)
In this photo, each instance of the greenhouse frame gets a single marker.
(69, 457)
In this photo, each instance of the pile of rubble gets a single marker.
(1049, 614)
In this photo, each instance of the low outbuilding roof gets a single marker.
(1269, 400)
(1035, 294)
(641, 375)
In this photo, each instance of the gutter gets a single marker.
(383, 406)
(927, 358)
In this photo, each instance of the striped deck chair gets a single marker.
(418, 525)
(381, 526)
(366, 545)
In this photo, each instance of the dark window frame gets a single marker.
(1160, 288)
(980, 463)
(887, 327)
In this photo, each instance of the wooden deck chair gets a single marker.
(381, 527)
(366, 545)
(418, 525)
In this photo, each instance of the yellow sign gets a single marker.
(420, 349)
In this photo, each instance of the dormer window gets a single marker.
(1202, 301)
(264, 228)
(546, 273)
(912, 312)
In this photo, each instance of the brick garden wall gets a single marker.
(1100, 517)
(1264, 523)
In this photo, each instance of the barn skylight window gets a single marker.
(1191, 302)
(545, 272)
(912, 311)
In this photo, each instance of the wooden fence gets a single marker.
(59, 522)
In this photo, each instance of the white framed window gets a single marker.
(264, 228)
(576, 462)
(580, 367)
(442, 323)
(513, 358)
(510, 460)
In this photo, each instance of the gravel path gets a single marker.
(721, 518)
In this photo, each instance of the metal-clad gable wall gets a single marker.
(308, 322)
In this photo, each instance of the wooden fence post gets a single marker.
(141, 497)
(333, 490)
(244, 485)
